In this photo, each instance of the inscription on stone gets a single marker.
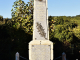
(40, 52)
(40, 20)
(40, 0)
(41, 13)
(41, 30)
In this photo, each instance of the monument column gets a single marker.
(40, 48)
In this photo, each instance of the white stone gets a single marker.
(40, 48)
(40, 25)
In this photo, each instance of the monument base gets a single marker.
(41, 50)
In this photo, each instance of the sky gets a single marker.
(55, 7)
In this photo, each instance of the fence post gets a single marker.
(63, 56)
(17, 56)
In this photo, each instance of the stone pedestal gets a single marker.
(40, 50)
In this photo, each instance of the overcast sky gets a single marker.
(55, 7)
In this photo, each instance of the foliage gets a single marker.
(1, 18)
(62, 28)
(12, 33)
(77, 32)
(22, 16)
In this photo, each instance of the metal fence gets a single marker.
(17, 56)
(63, 56)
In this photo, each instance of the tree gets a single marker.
(59, 27)
(22, 16)
(77, 32)
(49, 18)
(1, 18)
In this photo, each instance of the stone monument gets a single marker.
(40, 48)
